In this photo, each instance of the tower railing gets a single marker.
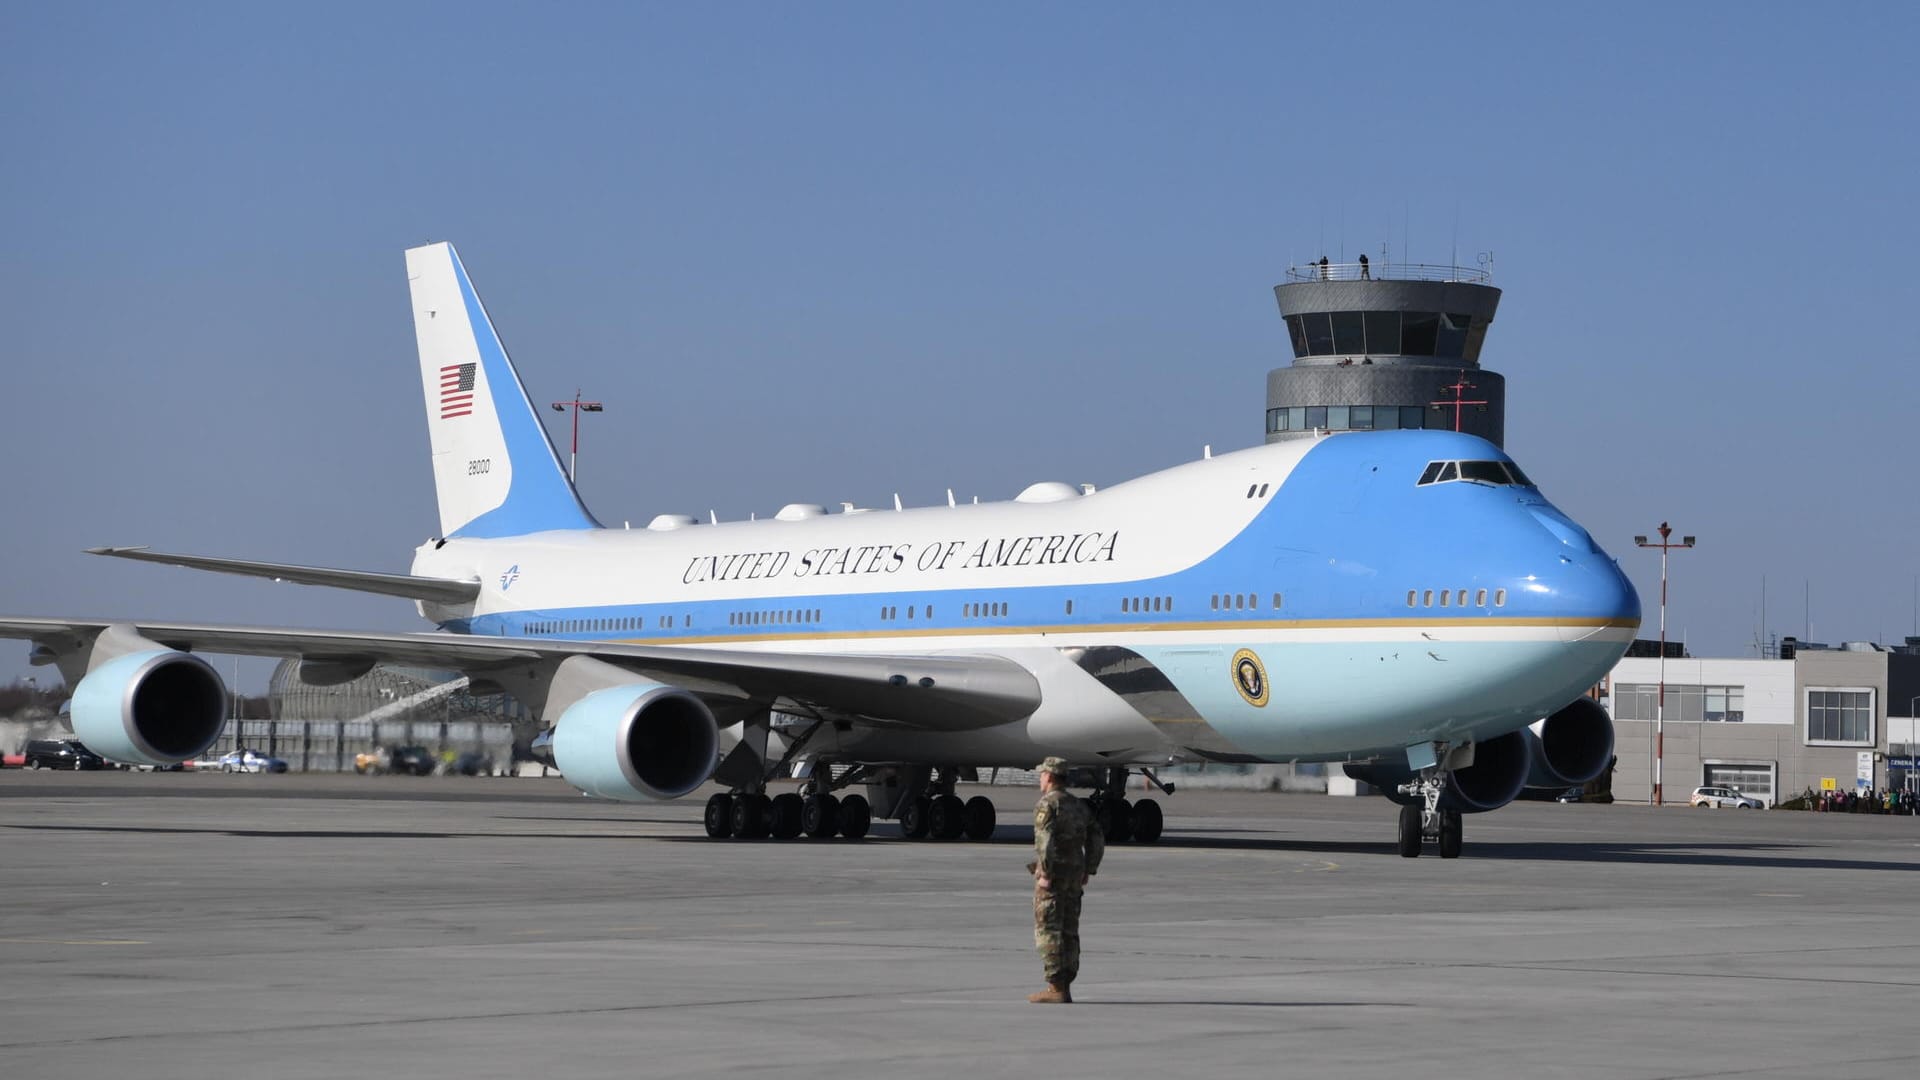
(1386, 271)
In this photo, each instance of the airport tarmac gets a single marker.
(192, 925)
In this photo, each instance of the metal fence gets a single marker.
(332, 745)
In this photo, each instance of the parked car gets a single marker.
(472, 763)
(1572, 794)
(248, 760)
(411, 760)
(61, 754)
(1716, 797)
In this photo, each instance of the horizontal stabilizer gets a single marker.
(436, 590)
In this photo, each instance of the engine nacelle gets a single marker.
(637, 741)
(1570, 747)
(150, 708)
(1498, 772)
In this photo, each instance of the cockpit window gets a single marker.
(1487, 472)
(1504, 474)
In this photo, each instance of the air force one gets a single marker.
(1405, 603)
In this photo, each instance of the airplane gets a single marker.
(1406, 604)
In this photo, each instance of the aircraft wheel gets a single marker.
(820, 816)
(1147, 821)
(947, 817)
(1116, 820)
(750, 816)
(720, 817)
(855, 816)
(1410, 832)
(977, 818)
(1451, 834)
(783, 816)
(913, 818)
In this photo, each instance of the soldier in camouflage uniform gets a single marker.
(1067, 847)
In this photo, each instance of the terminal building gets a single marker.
(1386, 345)
(1836, 719)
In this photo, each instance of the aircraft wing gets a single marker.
(438, 590)
(933, 693)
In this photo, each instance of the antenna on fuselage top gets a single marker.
(713, 517)
(950, 503)
(1206, 452)
(896, 501)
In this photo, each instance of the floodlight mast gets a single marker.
(578, 407)
(1660, 702)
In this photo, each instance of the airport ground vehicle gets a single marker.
(61, 754)
(1714, 797)
(248, 760)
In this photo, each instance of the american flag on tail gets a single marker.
(456, 390)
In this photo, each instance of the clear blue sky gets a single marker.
(830, 252)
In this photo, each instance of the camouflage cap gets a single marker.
(1056, 766)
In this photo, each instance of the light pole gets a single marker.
(578, 407)
(1660, 702)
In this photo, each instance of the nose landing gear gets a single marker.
(1427, 820)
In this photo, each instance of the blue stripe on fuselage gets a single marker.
(1348, 536)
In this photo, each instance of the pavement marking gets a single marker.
(67, 941)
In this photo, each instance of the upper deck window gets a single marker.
(1480, 472)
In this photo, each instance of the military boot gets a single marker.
(1055, 994)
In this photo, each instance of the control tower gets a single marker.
(1386, 345)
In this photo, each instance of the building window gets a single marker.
(1277, 419)
(1685, 703)
(1842, 716)
(1360, 417)
(1317, 417)
(1383, 333)
(1412, 416)
(1336, 418)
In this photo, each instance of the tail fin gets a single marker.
(494, 470)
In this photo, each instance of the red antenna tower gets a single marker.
(1459, 401)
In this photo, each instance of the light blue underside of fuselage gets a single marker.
(1333, 700)
(1344, 539)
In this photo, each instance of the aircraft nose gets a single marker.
(1582, 582)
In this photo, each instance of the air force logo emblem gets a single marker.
(1250, 677)
(512, 575)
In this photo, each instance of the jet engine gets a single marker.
(637, 741)
(154, 707)
(1570, 747)
(1498, 772)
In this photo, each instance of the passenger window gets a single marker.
(1444, 594)
(1276, 601)
(1461, 599)
(1499, 598)
(1480, 598)
(1426, 598)
(1413, 597)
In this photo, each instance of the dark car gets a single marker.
(411, 761)
(1572, 794)
(61, 754)
(472, 763)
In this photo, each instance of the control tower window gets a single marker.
(1360, 417)
(1298, 331)
(1349, 333)
(1383, 333)
(1412, 416)
(1319, 329)
(1417, 333)
(1316, 417)
(1337, 418)
(1452, 340)
(1276, 420)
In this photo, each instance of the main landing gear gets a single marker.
(1121, 821)
(1426, 819)
(752, 815)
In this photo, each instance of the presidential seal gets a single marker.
(1250, 677)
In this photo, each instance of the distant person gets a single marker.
(1365, 273)
(1323, 268)
(1067, 848)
